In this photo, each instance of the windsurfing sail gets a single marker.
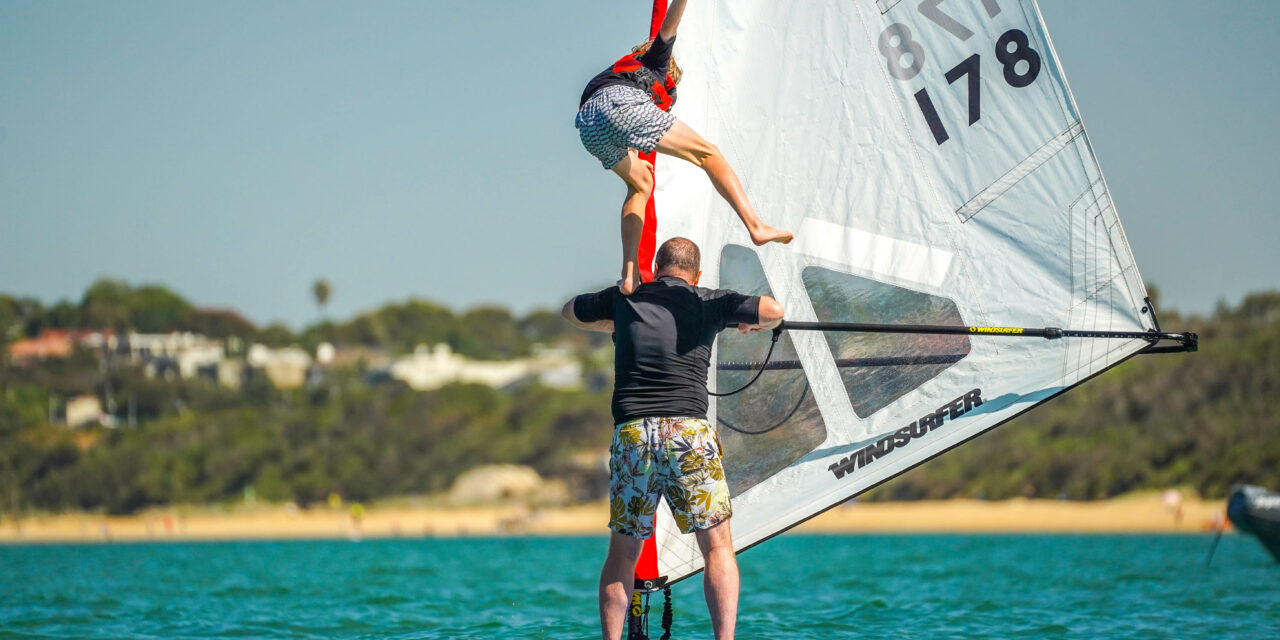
(932, 161)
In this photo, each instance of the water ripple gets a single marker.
(794, 588)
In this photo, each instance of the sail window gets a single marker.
(879, 368)
(775, 421)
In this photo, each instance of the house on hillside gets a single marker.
(82, 410)
(434, 367)
(176, 354)
(357, 357)
(286, 368)
(59, 343)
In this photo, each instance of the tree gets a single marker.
(489, 333)
(545, 326)
(220, 323)
(155, 309)
(321, 289)
(106, 305)
(10, 320)
(277, 335)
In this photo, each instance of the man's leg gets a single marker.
(683, 142)
(617, 581)
(638, 175)
(720, 578)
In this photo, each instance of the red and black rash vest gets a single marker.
(646, 71)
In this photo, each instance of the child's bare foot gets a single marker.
(630, 279)
(765, 234)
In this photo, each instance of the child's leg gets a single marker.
(683, 142)
(638, 175)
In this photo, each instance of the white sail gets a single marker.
(932, 162)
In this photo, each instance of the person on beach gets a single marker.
(625, 110)
(663, 444)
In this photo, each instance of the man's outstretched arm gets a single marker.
(770, 315)
(675, 11)
(604, 326)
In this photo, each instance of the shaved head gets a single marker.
(678, 255)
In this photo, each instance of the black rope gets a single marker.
(638, 626)
(777, 333)
(776, 425)
(666, 614)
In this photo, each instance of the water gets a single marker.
(794, 587)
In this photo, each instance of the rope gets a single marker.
(777, 333)
(666, 614)
(776, 425)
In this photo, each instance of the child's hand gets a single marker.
(630, 279)
(629, 286)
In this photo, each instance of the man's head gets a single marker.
(679, 257)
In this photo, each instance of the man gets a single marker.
(662, 441)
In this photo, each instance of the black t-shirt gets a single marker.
(662, 342)
(654, 63)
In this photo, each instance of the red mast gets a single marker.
(647, 566)
(649, 234)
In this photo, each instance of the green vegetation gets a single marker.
(1205, 421)
(206, 446)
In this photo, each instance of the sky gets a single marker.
(237, 151)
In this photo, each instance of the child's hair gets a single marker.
(673, 70)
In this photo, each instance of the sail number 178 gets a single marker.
(905, 58)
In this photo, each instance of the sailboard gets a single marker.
(933, 163)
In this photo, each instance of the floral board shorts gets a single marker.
(620, 117)
(674, 457)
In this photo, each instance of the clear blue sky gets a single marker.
(236, 151)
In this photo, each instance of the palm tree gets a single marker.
(321, 290)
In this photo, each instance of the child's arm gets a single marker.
(674, 12)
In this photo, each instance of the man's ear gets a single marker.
(696, 277)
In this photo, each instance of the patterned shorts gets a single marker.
(619, 117)
(674, 457)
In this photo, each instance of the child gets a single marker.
(625, 109)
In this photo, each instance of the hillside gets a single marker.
(1204, 420)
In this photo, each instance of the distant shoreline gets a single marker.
(1138, 513)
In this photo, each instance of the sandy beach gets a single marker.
(1145, 513)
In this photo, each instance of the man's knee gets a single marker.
(715, 539)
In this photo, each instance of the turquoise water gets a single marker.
(794, 587)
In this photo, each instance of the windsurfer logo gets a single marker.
(902, 437)
(995, 330)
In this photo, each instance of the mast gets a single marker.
(649, 233)
(646, 573)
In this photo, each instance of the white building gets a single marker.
(286, 368)
(434, 367)
(82, 410)
(185, 353)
